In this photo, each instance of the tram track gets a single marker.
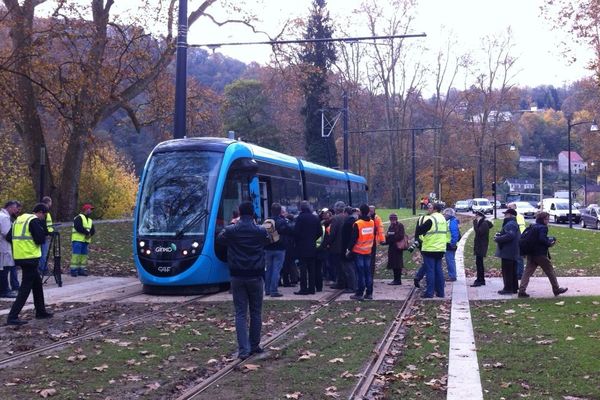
(196, 390)
(62, 343)
(372, 370)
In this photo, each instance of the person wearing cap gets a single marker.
(482, 227)
(81, 237)
(27, 235)
(507, 249)
(395, 234)
(435, 236)
(522, 226)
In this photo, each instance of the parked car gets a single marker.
(463, 205)
(482, 205)
(559, 210)
(590, 217)
(525, 209)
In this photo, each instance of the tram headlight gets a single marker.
(195, 245)
(148, 252)
(185, 252)
(142, 243)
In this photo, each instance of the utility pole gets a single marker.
(181, 73)
(345, 128)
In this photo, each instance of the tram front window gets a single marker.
(177, 191)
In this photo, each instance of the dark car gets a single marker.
(590, 217)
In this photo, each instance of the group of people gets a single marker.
(24, 243)
(307, 249)
(508, 250)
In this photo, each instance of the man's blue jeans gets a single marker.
(451, 263)
(435, 276)
(247, 296)
(363, 275)
(274, 260)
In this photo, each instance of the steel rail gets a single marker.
(195, 390)
(368, 375)
(4, 362)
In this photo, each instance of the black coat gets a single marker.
(482, 236)
(543, 242)
(306, 232)
(245, 243)
(507, 240)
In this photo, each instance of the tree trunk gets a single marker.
(71, 174)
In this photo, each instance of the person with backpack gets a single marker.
(507, 249)
(275, 250)
(537, 248)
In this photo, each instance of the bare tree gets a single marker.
(77, 67)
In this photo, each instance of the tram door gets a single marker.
(264, 199)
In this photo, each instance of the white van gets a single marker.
(559, 210)
(482, 205)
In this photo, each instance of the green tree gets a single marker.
(246, 111)
(317, 58)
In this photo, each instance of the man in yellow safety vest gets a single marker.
(81, 237)
(27, 236)
(435, 231)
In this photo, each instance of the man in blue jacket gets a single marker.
(451, 247)
(245, 243)
(507, 249)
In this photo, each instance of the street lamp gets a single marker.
(512, 147)
(585, 183)
(593, 128)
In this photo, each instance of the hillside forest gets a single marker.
(87, 92)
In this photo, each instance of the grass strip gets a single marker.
(318, 359)
(154, 359)
(539, 348)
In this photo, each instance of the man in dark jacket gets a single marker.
(306, 232)
(507, 249)
(275, 252)
(482, 227)
(540, 256)
(245, 243)
(27, 235)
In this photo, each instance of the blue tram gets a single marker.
(189, 190)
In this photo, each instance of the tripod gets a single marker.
(54, 249)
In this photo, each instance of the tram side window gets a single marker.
(286, 192)
(359, 194)
(324, 191)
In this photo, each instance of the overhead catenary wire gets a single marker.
(302, 41)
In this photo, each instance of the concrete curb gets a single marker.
(464, 381)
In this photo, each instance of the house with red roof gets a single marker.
(577, 163)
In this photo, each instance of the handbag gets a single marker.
(403, 244)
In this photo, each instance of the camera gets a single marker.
(416, 244)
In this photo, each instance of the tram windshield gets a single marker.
(177, 192)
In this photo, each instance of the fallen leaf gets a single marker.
(153, 386)
(101, 368)
(560, 303)
(336, 360)
(295, 395)
(570, 338)
(509, 311)
(212, 361)
(251, 367)
(47, 392)
(546, 341)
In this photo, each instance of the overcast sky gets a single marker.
(536, 45)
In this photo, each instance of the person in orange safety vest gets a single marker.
(361, 243)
